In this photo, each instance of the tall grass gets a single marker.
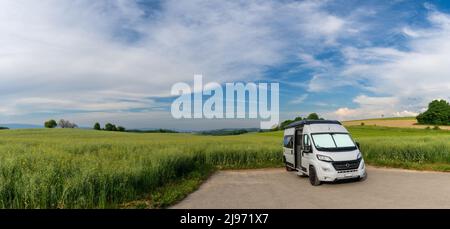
(408, 152)
(95, 169)
(89, 169)
(404, 147)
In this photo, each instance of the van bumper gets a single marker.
(326, 172)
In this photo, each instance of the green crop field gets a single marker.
(404, 147)
(62, 168)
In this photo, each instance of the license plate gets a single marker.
(348, 175)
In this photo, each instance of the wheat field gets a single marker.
(74, 168)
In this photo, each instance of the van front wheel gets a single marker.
(363, 178)
(313, 179)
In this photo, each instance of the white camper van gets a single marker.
(322, 150)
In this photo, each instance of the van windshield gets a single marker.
(333, 141)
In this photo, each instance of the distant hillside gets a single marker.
(224, 132)
(151, 131)
(21, 126)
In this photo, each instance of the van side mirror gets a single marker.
(358, 145)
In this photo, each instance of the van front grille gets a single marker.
(346, 165)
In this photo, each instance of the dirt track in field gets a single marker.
(276, 188)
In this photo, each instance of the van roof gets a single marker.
(308, 122)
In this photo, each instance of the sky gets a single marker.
(116, 60)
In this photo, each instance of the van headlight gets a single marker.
(359, 156)
(324, 158)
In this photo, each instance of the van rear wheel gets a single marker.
(313, 179)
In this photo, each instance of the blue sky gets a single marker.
(116, 60)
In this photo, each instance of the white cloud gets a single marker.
(71, 54)
(93, 105)
(371, 107)
(364, 100)
(344, 112)
(367, 107)
(407, 78)
(405, 114)
(299, 99)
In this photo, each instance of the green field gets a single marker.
(404, 147)
(70, 168)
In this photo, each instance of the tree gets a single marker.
(438, 113)
(287, 122)
(110, 127)
(66, 124)
(97, 126)
(284, 124)
(121, 128)
(313, 116)
(50, 124)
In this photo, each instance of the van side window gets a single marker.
(288, 141)
(306, 141)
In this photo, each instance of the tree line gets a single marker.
(109, 127)
(61, 123)
(67, 124)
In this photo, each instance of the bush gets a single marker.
(66, 124)
(97, 126)
(362, 124)
(50, 124)
(438, 113)
(110, 127)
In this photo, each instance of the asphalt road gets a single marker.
(276, 188)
